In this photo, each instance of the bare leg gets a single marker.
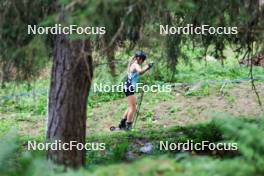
(131, 107)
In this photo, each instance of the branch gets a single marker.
(252, 77)
(120, 29)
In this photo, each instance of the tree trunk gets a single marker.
(110, 56)
(5, 72)
(70, 83)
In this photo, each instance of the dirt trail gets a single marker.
(157, 112)
(238, 100)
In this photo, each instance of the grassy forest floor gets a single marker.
(158, 110)
(197, 112)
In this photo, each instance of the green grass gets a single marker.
(22, 98)
(14, 110)
(112, 161)
(20, 103)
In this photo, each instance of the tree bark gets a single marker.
(70, 84)
(110, 56)
(5, 72)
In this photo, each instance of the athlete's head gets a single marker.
(140, 57)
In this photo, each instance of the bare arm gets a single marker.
(141, 70)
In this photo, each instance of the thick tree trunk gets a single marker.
(70, 83)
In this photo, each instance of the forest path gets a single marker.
(161, 110)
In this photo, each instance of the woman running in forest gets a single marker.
(134, 71)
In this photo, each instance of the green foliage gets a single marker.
(200, 90)
(24, 98)
(7, 159)
(250, 140)
(22, 55)
(119, 151)
(248, 162)
(32, 99)
(25, 56)
(97, 98)
(128, 20)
